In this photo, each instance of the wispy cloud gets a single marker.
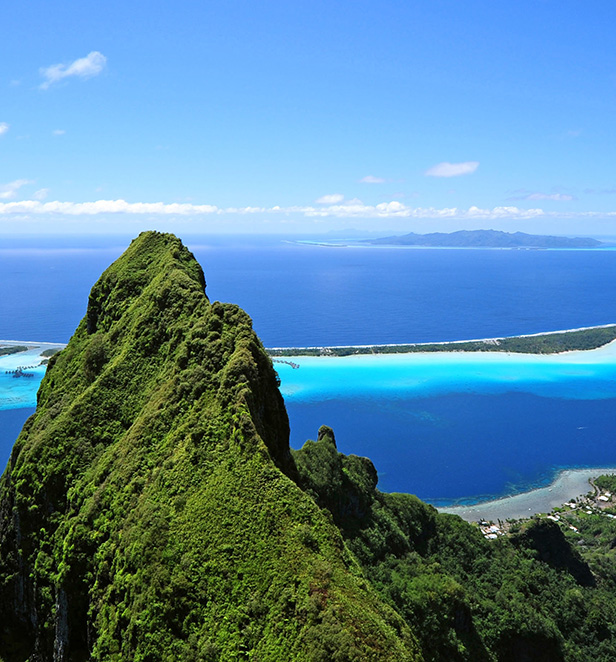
(58, 132)
(8, 191)
(85, 67)
(600, 191)
(331, 199)
(103, 207)
(555, 197)
(4, 127)
(41, 194)
(371, 179)
(348, 209)
(447, 169)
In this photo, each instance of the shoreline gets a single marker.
(568, 484)
(606, 352)
(359, 243)
(546, 343)
(440, 342)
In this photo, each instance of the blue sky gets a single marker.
(308, 116)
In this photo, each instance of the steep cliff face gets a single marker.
(149, 510)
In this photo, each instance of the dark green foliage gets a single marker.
(606, 483)
(148, 511)
(50, 352)
(531, 597)
(546, 538)
(152, 510)
(13, 349)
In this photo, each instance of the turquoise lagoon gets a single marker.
(460, 427)
(20, 392)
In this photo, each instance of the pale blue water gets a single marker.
(400, 377)
(18, 393)
(441, 431)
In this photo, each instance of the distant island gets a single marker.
(485, 239)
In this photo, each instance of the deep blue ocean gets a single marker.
(460, 440)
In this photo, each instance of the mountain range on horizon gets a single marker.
(486, 239)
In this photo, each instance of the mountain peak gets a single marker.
(149, 510)
(152, 259)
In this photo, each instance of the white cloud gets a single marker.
(371, 179)
(526, 195)
(58, 132)
(8, 191)
(103, 207)
(446, 169)
(84, 67)
(41, 194)
(4, 127)
(347, 209)
(332, 199)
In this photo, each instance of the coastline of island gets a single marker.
(597, 343)
(548, 342)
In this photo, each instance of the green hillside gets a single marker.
(527, 596)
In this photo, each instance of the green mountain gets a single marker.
(486, 239)
(153, 510)
(149, 511)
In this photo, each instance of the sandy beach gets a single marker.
(570, 484)
(605, 352)
(453, 343)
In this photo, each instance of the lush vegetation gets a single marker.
(50, 352)
(528, 596)
(148, 511)
(486, 239)
(547, 343)
(152, 510)
(12, 349)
